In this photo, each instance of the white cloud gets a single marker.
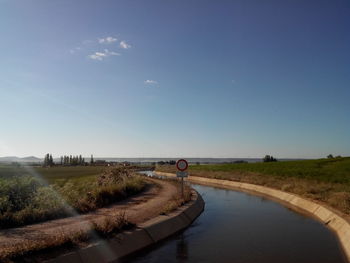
(74, 50)
(102, 55)
(151, 82)
(107, 40)
(124, 45)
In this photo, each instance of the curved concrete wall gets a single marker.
(340, 226)
(144, 235)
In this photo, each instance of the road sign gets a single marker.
(181, 174)
(182, 165)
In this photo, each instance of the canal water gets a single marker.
(242, 228)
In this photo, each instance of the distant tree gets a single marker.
(92, 159)
(72, 160)
(330, 156)
(269, 158)
(51, 160)
(46, 159)
(172, 162)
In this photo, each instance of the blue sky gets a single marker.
(175, 78)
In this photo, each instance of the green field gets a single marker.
(51, 174)
(336, 170)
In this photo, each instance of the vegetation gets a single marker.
(48, 160)
(171, 162)
(326, 180)
(33, 195)
(177, 199)
(39, 250)
(269, 158)
(50, 174)
(110, 226)
(72, 160)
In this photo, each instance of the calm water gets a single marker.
(241, 228)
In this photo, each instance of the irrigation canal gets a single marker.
(243, 228)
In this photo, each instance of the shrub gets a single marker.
(114, 176)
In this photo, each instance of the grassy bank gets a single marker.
(326, 180)
(29, 195)
(64, 242)
(177, 199)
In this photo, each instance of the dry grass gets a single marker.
(34, 249)
(30, 248)
(110, 226)
(177, 200)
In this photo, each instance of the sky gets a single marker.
(185, 78)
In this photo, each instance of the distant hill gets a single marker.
(29, 159)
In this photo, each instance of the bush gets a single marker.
(114, 176)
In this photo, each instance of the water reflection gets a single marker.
(181, 249)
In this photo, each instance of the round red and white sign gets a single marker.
(182, 165)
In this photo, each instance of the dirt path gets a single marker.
(138, 209)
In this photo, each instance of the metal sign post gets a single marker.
(182, 166)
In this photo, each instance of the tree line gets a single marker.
(72, 160)
(67, 160)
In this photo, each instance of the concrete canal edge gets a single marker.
(338, 224)
(145, 235)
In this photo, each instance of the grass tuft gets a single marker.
(177, 200)
(110, 226)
